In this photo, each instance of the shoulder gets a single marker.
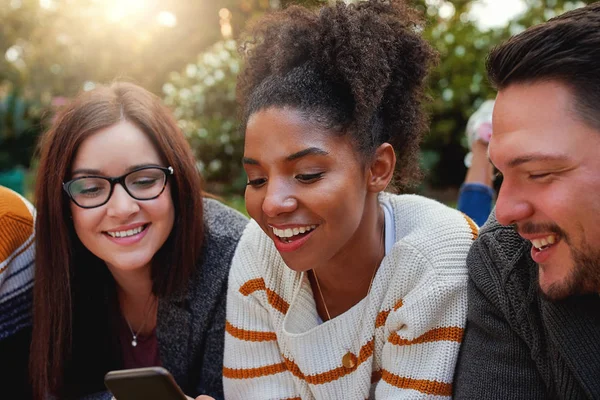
(418, 214)
(16, 229)
(223, 221)
(16, 213)
(17, 254)
(441, 234)
(499, 262)
(223, 229)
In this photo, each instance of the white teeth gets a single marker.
(127, 233)
(543, 242)
(289, 232)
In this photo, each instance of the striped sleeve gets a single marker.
(424, 333)
(253, 365)
(17, 252)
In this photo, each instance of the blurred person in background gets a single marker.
(132, 259)
(476, 194)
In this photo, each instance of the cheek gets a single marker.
(86, 223)
(253, 200)
(163, 210)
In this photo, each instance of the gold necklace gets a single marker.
(349, 360)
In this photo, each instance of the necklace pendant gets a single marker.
(134, 342)
(349, 360)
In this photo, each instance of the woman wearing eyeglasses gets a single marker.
(132, 261)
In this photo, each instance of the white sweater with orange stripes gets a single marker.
(17, 253)
(405, 334)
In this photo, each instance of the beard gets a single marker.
(583, 279)
(585, 276)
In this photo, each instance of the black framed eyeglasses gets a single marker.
(144, 183)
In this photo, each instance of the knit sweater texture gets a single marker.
(190, 326)
(519, 345)
(17, 254)
(405, 335)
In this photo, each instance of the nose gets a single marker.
(121, 205)
(512, 204)
(279, 199)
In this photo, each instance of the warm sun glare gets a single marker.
(117, 10)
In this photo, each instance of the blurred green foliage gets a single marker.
(202, 97)
(53, 49)
(20, 125)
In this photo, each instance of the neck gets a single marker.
(137, 303)
(345, 280)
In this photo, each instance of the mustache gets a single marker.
(531, 228)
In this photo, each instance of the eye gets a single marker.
(91, 191)
(539, 176)
(309, 178)
(144, 182)
(256, 183)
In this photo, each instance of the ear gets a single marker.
(382, 168)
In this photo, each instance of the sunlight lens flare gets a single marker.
(117, 10)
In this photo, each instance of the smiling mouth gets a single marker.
(542, 244)
(127, 233)
(292, 234)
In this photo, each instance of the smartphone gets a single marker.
(153, 383)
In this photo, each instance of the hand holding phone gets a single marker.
(154, 383)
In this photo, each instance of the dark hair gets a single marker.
(357, 69)
(565, 49)
(71, 283)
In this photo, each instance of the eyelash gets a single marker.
(539, 176)
(302, 178)
(256, 182)
(309, 178)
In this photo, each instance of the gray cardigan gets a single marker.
(518, 345)
(191, 328)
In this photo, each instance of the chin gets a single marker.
(131, 265)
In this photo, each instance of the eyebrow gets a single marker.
(311, 151)
(88, 171)
(515, 162)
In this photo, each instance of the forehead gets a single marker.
(538, 119)
(114, 148)
(283, 130)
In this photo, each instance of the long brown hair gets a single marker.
(63, 263)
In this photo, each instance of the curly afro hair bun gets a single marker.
(357, 68)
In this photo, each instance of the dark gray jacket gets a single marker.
(191, 329)
(518, 345)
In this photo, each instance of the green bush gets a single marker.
(202, 97)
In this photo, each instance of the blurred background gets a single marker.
(185, 51)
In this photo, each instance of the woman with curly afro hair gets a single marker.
(339, 290)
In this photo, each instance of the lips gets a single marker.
(291, 234)
(129, 236)
(543, 247)
(288, 239)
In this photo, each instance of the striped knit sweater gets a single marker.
(16, 262)
(405, 334)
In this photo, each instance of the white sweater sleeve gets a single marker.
(253, 365)
(423, 339)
